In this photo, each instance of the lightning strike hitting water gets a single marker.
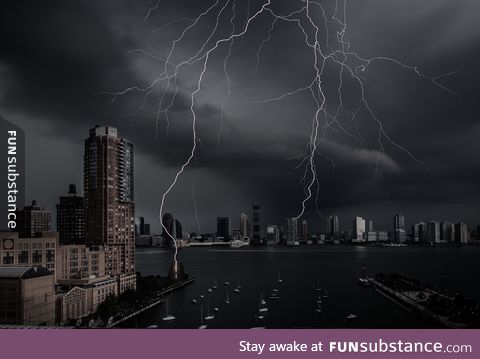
(312, 20)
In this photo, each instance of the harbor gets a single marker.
(443, 308)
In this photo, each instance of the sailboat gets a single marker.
(209, 315)
(274, 294)
(279, 280)
(237, 290)
(261, 307)
(167, 317)
(202, 326)
(227, 301)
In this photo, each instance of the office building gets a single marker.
(71, 224)
(273, 235)
(36, 251)
(399, 232)
(33, 219)
(256, 225)
(109, 200)
(304, 232)
(433, 232)
(419, 232)
(27, 296)
(292, 232)
(168, 229)
(358, 229)
(333, 232)
(77, 261)
(178, 229)
(223, 228)
(244, 226)
(447, 232)
(462, 236)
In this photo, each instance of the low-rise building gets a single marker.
(41, 250)
(27, 295)
(80, 261)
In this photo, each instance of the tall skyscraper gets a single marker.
(369, 226)
(108, 185)
(433, 232)
(399, 228)
(71, 226)
(304, 231)
(292, 231)
(243, 226)
(223, 228)
(333, 231)
(420, 232)
(273, 235)
(33, 219)
(358, 228)
(447, 232)
(461, 233)
(168, 231)
(178, 229)
(256, 226)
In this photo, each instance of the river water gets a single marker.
(302, 269)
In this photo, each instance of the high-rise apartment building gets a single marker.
(108, 185)
(71, 225)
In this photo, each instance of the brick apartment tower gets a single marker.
(108, 186)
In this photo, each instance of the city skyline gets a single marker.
(253, 161)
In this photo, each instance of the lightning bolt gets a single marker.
(312, 20)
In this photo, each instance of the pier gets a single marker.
(445, 310)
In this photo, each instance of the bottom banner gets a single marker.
(332, 343)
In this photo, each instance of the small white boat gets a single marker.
(216, 309)
(226, 283)
(214, 285)
(168, 317)
(202, 326)
(153, 326)
(259, 316)
(263, 310)
(274, 296)
(236, 290)
(209, 315)
(202, 296)
(351, 316)
(194, 301)
(227, 300)
(209, 290)
(279, 280)
(263, 302)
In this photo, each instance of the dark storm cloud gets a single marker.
(59, 56)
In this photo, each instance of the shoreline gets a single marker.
(156, 302)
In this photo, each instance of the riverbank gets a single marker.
(156, 301)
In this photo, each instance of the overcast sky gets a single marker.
(58, 57)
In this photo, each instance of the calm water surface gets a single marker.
(335, 268)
